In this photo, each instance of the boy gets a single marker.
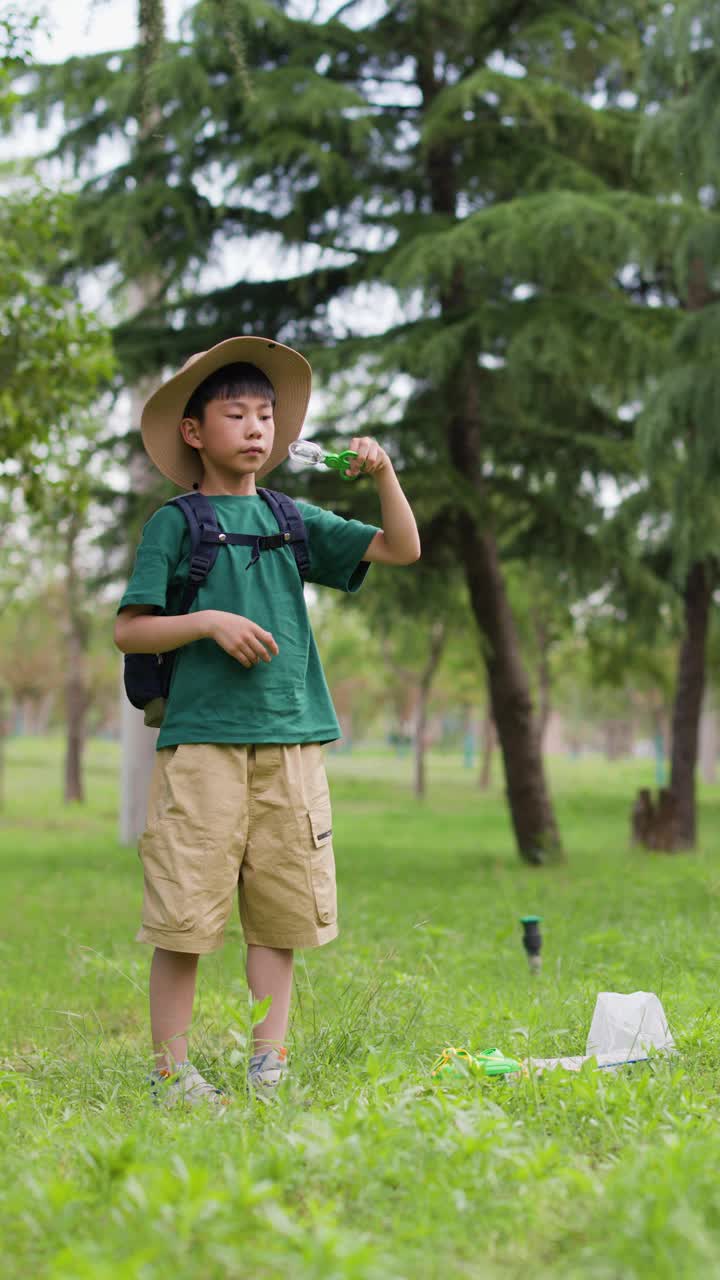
(239, 797)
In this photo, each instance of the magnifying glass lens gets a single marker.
(306, 451)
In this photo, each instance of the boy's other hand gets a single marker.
(371, 459)
(242, 638)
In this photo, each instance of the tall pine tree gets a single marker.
(449, 203)
(682, 140)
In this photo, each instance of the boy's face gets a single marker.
(235, 435)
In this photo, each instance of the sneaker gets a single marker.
(184, 1085)
(266, 1070)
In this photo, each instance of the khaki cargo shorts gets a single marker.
(251, 819)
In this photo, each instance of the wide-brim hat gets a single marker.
(288, 371)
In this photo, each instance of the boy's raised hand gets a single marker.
(371, 458)
(242, 638)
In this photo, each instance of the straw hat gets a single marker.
(288, 371)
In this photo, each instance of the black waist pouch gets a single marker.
(147, 683)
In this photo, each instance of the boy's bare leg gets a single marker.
(269, 973)
(172, 991)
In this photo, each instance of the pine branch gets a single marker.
(495, 34)
(344, 8)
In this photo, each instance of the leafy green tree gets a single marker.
(54, 355)
(18, 26)
(55, 359)
(446, 168)
(678, 427)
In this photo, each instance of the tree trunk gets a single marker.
(75, 682)
(488, 750)
(616, 735)
(533, 819)
(690, 683)
(75, 716)
(531, 811)
(689, 690)
(438, 636)
(542, 637)
(151, 37)
(528, 797)
(43, 708)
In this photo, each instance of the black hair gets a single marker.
(227, 383)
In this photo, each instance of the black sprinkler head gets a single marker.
(532, 941)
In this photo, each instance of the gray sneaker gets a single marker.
(184, 1085)
(266, 1070)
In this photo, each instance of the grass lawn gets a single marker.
(364, 1168)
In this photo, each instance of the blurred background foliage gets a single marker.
(494, 230)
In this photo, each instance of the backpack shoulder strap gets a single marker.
(204, 545)
(290, 521)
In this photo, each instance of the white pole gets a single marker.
(138, 742)
(138, 757)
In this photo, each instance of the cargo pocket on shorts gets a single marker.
(322, 866)
(165, 906)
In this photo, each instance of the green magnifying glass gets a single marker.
(312, 455)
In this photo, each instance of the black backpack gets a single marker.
(147, 675)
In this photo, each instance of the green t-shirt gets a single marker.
(213, 697)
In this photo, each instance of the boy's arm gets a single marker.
(139, 630)
(398, 542)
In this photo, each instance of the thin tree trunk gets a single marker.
(488, 750)
(615, 737)
(531, 810)
(151, 38)
(542, 637)
(528, 796)
(438, 636)
(42, 712)
(690, 683)
(532, 816)
(689, 690)
(404, 688)
(75, 682)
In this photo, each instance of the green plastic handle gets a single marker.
(339, 462)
